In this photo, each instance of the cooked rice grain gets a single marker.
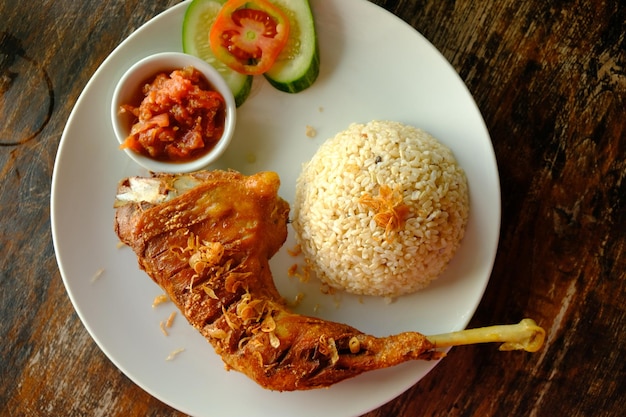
(339, 236)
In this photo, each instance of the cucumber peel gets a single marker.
(199, 18)
(297, 66)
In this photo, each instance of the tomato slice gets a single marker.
(248, 35)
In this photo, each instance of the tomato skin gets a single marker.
(248, 35)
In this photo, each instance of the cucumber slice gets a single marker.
(199, 18)
(298, 65)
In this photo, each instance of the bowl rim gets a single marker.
(149, 66)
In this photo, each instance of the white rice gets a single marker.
(341, 242)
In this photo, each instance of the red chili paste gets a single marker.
(180, 118)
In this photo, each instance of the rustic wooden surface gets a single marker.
(550, 80)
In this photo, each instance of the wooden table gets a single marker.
(550, 80)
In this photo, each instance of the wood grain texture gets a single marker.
(550, 80)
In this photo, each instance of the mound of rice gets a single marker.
(380, 209)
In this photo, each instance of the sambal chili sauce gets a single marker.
(180, 117)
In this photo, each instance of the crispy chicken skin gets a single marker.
(206, 238)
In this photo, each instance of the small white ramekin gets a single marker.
(127, 90)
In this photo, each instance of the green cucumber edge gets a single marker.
(240, 84)
(301, 83)
(300, 73)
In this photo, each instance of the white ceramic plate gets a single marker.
(374, 66)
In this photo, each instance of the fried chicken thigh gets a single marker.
(206, 238)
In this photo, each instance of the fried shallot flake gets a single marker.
(390, 211)
(304, 276)
(327, 347)
(268, 325)
(297, 299)
(97, 275)
(160, 299)
(229, 320)
(310, 131)
(162, 327)
(201, 253)
(174, 353)
(297, 250)
(274, 340)
(249, 310)
(210, 292)
(216, 333)
(170, 319)
(354, 344)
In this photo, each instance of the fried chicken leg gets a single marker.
(206, 238)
